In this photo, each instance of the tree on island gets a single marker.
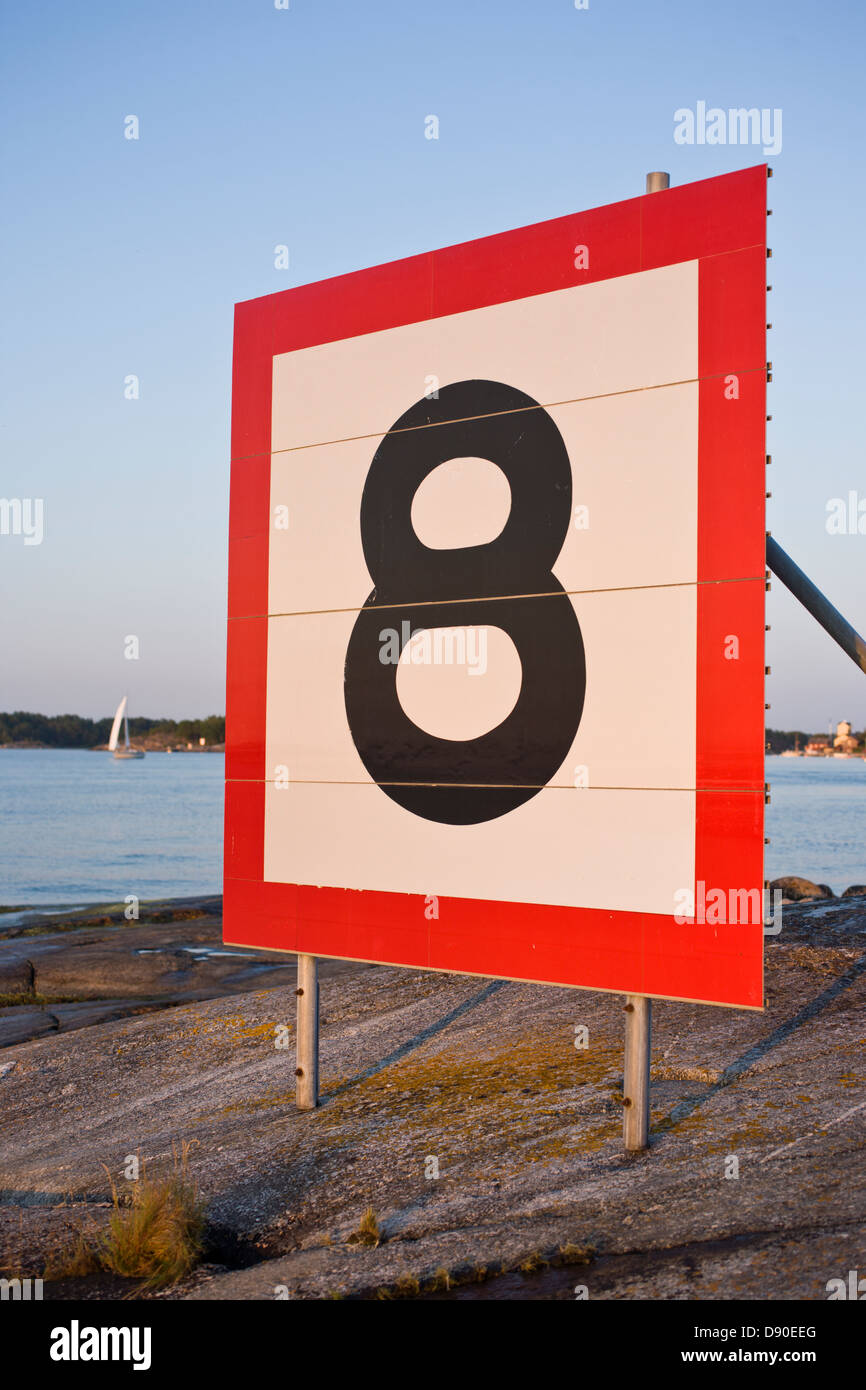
(74, 731)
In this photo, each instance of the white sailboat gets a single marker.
(127, 750)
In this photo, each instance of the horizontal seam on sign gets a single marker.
(492, 786)
(489, 415)
(502, 598)
(734, 251)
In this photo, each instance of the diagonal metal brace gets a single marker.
(818, 604)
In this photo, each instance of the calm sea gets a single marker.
(78, 827)
(816, 820)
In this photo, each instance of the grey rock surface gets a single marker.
(488, 1144)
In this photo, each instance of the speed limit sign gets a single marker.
(496, 605)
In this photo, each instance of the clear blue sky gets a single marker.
(261, 126)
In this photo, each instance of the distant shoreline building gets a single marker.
(818, 747)
(844, 742)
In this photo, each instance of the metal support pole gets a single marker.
(638, 1009)
(820, 607)
(636, 1072)
(307, 1071)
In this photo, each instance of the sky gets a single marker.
(305, 127)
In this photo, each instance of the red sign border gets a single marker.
(721, 223)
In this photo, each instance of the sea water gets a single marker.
(79, 827)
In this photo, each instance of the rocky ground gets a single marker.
(63, 972)
(488, 1146)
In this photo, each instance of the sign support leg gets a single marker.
(636, 1071)
(307, 1069)
(638, 1009)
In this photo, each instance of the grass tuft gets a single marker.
(407, 1286)
(156, 1238)
(21, 998)
(74, 1262)
(571, 1254)
(368, 1233)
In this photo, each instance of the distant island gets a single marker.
(21, 729)
(24, 730)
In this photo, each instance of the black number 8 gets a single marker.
(464, 782)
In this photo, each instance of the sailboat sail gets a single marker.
(115, 728)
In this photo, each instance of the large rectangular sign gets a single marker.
(496, 605)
